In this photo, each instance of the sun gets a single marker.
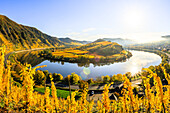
(134, 19)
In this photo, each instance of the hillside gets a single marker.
(98, 51)
(103, 48)
(16, 36)
(73, 42)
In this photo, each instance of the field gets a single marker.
(60, 93)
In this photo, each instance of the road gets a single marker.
(7, 55)
(98, 87)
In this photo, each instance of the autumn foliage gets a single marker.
(24, 99)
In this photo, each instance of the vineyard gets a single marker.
(14, 98)
(95, 52)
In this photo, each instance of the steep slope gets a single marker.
(17, 36)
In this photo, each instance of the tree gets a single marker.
(128, 75)
(106, 78)
(46, 72)
(119, 77)
(47, 75)
(57, 77)
(167, 67)
(113, 78)
(90, 81)
(39, 77)
(83, 85)
(74, 78)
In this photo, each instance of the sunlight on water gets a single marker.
(138, 61)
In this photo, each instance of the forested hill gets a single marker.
(16, 36)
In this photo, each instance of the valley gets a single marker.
(43, 73)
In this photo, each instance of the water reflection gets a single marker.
(139, 60)
(87, 64)
(30, 57)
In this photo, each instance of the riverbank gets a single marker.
(86, 71)
(77, 56)
(165, 56)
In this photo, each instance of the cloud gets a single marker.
(88, 29)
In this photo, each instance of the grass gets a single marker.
(60, 93)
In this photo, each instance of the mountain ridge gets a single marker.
(17, 36)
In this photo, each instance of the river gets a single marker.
(139, 60)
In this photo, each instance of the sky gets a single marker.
(141, 20)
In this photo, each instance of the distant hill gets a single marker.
(73, 42)
(166, 36)
(99, 40)
(160, 45)
(16, 36)
(120, 41)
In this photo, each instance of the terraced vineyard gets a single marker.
(98, 51)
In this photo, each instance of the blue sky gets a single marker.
(142, 20)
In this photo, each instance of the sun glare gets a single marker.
(134, 19)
